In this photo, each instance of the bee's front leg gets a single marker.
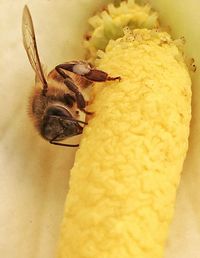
(81, 103)
(79, 97)
(100, 76)
(84, 69)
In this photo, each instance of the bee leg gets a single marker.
(78, 95)
(81, 103)
(100, 76)
(84, 69)
(53, 141)
(71, 86)
(63, 144)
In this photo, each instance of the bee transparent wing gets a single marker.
(30, 45)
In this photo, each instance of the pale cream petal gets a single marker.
(34, 174)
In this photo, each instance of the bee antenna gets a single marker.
(70, 119)
(76, 120)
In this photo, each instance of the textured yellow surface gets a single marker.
(109, 24)
(124, 180)
(33, 173)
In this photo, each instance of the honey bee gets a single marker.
(57, 100)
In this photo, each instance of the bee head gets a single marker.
(58, 123)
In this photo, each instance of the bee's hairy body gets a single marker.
(57, 102)
(58, 95)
